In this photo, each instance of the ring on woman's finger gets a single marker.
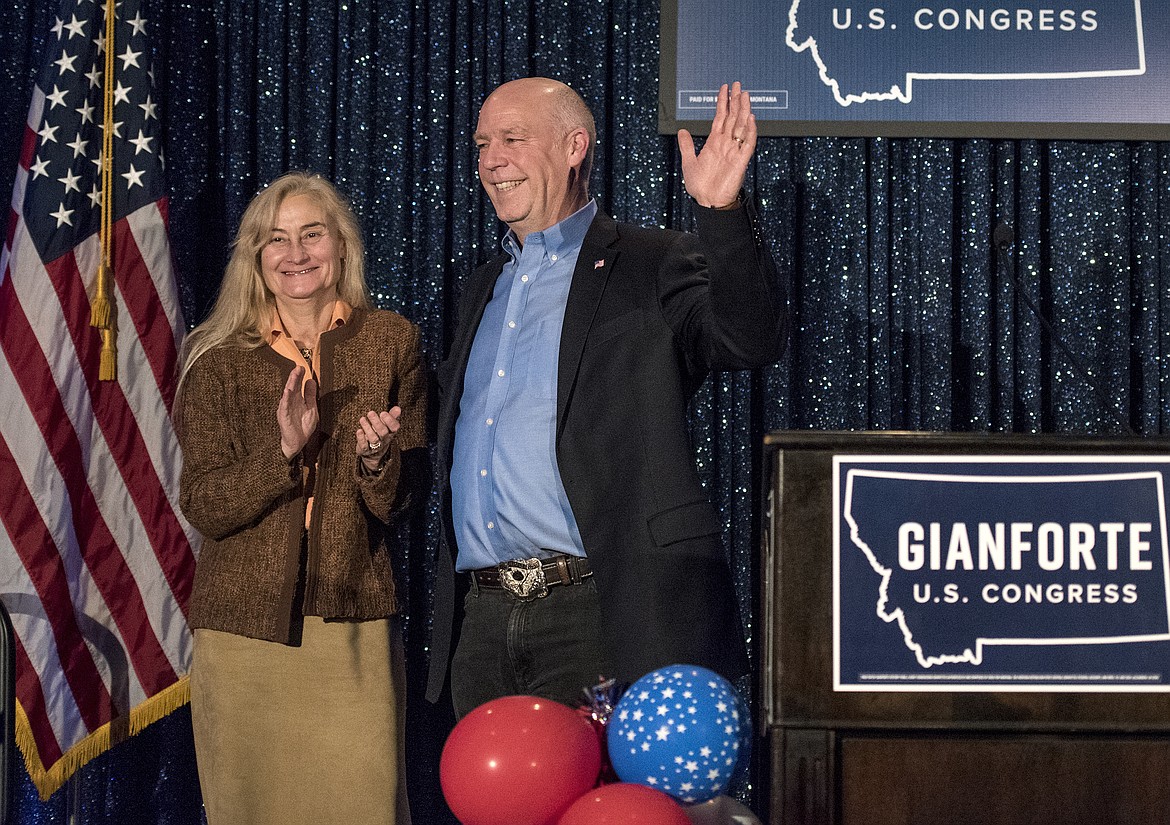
(376, 444)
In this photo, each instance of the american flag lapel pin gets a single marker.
(599, 264)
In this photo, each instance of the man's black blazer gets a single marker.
(650, 313)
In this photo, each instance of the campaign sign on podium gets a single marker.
(965, 627)
(1005, 573)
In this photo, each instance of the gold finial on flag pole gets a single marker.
(102, 312)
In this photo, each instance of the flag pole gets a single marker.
(102, 315)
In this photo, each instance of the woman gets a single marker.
(297, 404)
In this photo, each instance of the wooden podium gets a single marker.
(929, 758)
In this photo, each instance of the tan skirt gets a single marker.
(308, 734)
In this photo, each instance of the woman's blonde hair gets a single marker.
(244, 305)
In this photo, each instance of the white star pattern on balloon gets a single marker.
(678, 730)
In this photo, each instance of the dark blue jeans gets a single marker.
(548, 647)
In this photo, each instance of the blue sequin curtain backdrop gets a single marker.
(901, 316)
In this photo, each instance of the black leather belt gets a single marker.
(531, 578)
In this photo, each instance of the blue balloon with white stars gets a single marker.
(679, 729)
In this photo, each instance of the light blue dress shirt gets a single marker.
(507, 498)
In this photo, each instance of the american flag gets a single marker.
(96, 560)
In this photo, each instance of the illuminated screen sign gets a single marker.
(1062, 69)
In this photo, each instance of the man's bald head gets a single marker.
(559, 102)
(535, 138)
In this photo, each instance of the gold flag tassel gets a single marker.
(101, 314)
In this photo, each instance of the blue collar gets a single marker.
(560, 238)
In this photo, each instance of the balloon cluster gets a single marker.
(675, 739)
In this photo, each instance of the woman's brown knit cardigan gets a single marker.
(248, 501)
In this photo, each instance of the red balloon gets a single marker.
(518, 760)
(625, 803)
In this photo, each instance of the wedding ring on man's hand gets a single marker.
(738, 140)
(375, 445)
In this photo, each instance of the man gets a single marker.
(571, 502)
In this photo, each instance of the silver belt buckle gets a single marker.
(523, 578)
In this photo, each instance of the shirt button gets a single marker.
(554, 257)
(491, 421)
(511, 325)
(500, 373)
(491, 525)
(523, 279)
(483, 472)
